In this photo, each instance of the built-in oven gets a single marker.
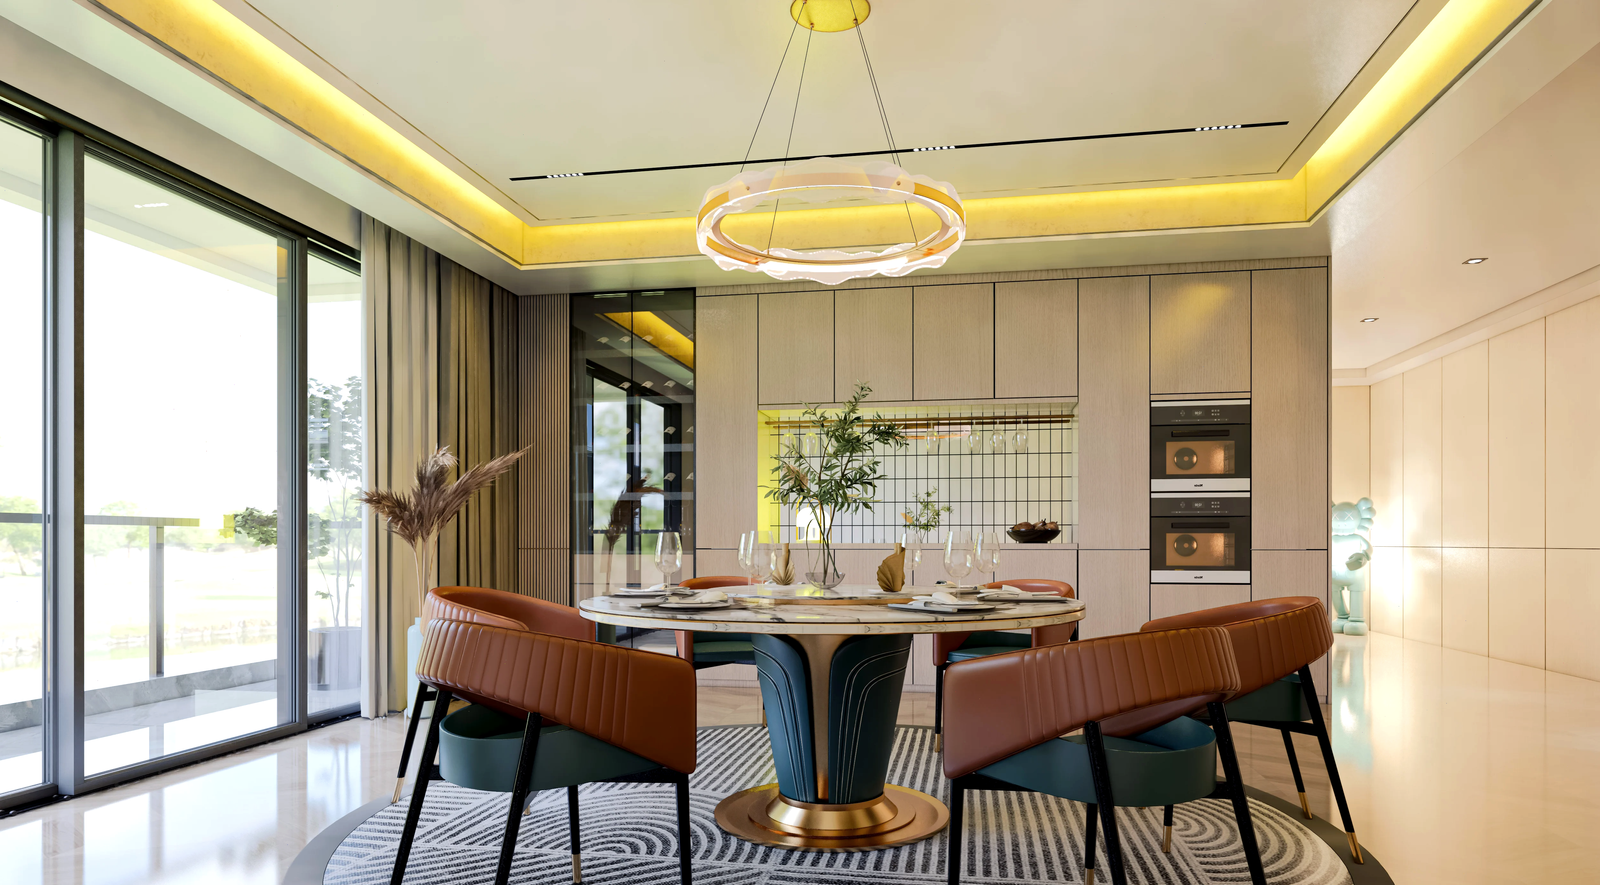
(1200, 539)
(1200, 446)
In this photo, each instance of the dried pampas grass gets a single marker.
(418, 517)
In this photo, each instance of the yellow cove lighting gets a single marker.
(212, 40)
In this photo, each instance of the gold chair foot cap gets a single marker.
(577, 868)
(938, 743)
(1355, 848)
(1305, 807)
(1088, 876)
(399, 785)
(1166, 841)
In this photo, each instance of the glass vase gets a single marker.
(824, 568)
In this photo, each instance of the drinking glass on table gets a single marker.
(756, 554)
(669, 556)
(989, 554)
(912, 542)
(960, 554)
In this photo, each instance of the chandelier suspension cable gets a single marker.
(792, 117)
(883, 116)
(770, 88)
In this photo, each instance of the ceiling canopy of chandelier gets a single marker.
(824, 179)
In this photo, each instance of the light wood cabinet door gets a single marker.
(1036, 338)
(1115, 588)
(872, 343)
(794, 348)
(954, 335)
(724, 432)
(1200, 333)
(1289, 410)
(1114, 414)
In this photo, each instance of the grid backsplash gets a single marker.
(988, 487)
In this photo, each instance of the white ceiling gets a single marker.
(508, 88)
(1505, 166)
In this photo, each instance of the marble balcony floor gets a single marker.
(1460, 769)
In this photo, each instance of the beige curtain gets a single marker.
(441, 370)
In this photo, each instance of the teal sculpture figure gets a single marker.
(1350, 554)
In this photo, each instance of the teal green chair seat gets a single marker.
(982, 645)
(715, 649)
(1167, 765)
(1281, 701)
(478, 749)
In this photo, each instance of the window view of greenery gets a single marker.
(334, 526)
(180, 386)
(21, 460)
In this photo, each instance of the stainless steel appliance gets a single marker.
(1200, 539)
(1200, 446)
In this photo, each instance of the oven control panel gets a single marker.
(1163, 414)
(1215, 504)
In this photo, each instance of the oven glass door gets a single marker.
(1214, 452)
(1220, 544)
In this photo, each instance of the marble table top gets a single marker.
(758, 611)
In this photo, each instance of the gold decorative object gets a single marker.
(784, 573)
(892, 573)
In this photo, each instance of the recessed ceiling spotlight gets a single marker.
(1370, 320)
(1211, 128)
(1475, 260)
(566, 175)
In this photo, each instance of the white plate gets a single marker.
(941, 608)
(994, 597)
(638, 593)
(963, 604)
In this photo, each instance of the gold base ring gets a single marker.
(763, 816)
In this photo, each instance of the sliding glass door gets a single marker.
(22, 624)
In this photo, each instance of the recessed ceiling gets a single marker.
(513, 88)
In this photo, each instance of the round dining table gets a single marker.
(831, 665)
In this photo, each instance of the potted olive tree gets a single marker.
(841, 478)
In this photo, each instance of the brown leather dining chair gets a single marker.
(481, 605)
(1131, 695)
(585, 712)
(948, 648)
(1275, 642)
(705, 650)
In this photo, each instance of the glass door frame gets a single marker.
(67, 143)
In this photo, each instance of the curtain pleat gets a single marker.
(441, 351)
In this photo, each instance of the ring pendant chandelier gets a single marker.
(825, 179)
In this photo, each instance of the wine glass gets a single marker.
(960, 554)
(669, 556)
(930, 442)
(1019, 440)
(912, 542)
(754, 546)
(997, 441)
(989, 554)
(974, 442)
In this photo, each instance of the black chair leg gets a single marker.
(1294, 766)
(519, 796)
(1309, 689)
(424, 694)
(1089, 831)
(1100, 770)
(958, 801)
(938, 708)
(1166, 835)
(1241, 803)
(572, 833)
(685, 848)
(430, 748)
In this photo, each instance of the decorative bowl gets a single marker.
(1033, 536)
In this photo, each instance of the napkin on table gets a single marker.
(943, 597)
(705, 596)
(1007, 591)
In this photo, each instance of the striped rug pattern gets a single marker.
(630, 835)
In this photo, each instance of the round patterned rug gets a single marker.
(630, 835)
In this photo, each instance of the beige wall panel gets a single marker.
(1036, 337)
(1517, 606)
(1572, 371)
(726, 562)
(1423, 447)
(872, 343)
(954, 336)
(1052, 562)
(1516, 441)
(857, 565)
(1465, 617)
(1466, 447)
(1424, 594)
(1114, 412)
(725, 431)
(1275, 573)
(1200, 333)
(1386, 590)
(1350, 444)
(1167, 600)
(794, 347)
(1289, 409)
(1572, 608)
(1115, 588)
(1388, 494)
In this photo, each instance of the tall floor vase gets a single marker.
(413, 650)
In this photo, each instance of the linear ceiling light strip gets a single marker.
(944, 147)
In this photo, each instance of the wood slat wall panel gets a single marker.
(544, 325)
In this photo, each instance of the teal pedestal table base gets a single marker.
(831, 703)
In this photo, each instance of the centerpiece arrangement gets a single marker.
(841, 478)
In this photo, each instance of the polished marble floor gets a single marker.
(1460, 770)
